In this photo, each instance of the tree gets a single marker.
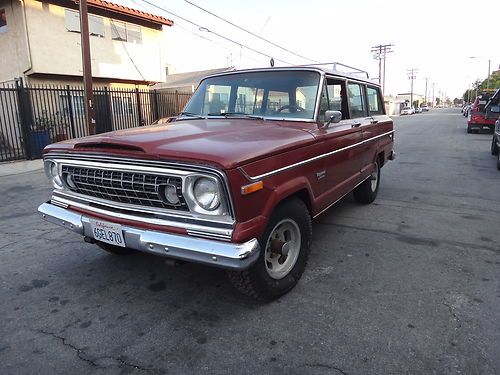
(494, 81)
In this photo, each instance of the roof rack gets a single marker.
(335, 65)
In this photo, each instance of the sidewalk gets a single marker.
(21, 166)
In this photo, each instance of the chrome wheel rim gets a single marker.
(374, 178)
(282, 249)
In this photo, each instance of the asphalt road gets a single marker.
(407, 285)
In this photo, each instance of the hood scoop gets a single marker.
(108, 146)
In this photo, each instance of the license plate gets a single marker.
(486, 127)
(107, 232)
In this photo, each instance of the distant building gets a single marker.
(40, 42)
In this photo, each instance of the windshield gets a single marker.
(270, 94)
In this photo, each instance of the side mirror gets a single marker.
(332, 117)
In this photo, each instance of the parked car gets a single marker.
(424, 108)
(235, 180)
(407, 111)
(495, 143)
(466, 110)
(478, 118)
(418, 110)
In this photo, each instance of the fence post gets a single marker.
(156, 110)
(70, 109)
(177, 110)
(139, 113)
(25, 116)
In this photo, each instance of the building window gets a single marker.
(3, 21)
(126, 32)
(72, 20)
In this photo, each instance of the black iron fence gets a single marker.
(32, 117)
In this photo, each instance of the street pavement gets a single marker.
(407, 285)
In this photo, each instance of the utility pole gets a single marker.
(426, 80)
(489, 71)
(411, 75)
(380, 53)
(87, 67)
(433, 84)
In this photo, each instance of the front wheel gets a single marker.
(367, 191)
(284, 250)
(498, 161)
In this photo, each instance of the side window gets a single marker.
(356, 100)
(374, 104)
(332, 98)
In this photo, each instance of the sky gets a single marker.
(438, 38)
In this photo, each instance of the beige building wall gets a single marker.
(14, 56)
(54, 50)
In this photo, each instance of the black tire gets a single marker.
(116, 250)
(257, 281)
(494, 146)
(498, 161)
(469, 131)
(366, 192)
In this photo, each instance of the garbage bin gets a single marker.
(38, 140)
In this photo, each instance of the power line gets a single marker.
(249, 32)
(202, 28)
(379, 53)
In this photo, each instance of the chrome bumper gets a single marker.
(213, 253)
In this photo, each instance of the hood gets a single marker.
(228, 143)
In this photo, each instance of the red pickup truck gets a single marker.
(478, 119)
(235, 180)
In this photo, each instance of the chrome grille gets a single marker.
(123, 186)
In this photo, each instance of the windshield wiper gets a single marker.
(189, 114)
(236, 114)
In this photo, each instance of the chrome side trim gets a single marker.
(279, 170)
(218, 233)
(232, 256)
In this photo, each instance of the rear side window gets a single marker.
(356, 100)
(374, 103)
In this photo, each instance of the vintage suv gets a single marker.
(235, 180)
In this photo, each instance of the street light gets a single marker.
(489, 70)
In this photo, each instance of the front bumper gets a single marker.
(220, 254)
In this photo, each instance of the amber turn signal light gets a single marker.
(249, 189)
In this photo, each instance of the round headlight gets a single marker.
(52, 172)
(170, 194)
(206, 193)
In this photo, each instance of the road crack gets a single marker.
(325, 366)
(82, 355)
(79, 352)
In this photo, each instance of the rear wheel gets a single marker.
(367, 191)
(112, 249)
(494, 146)
(284, 250)
(498, 161)
(469, 131)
